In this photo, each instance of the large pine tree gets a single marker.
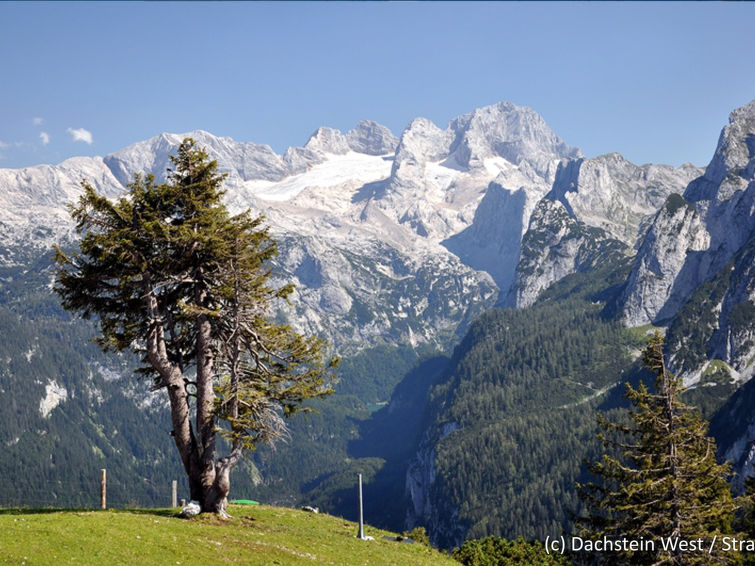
(170, 274)
(665, 484)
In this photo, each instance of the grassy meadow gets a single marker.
(257, 535)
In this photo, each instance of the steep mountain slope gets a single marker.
(397, 246)
(596, 207)
(704, 241)
(389, 240)
(361, 218)
(734, 428)
(512, 419)
(67, 410)
(485, 432)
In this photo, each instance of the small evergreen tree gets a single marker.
(746, 518)
(170, 274)
(666, 484)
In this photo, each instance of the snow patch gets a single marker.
(337, 170)
(441, 175)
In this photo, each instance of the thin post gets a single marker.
(103, 488)
(174, 494)
(361, 514)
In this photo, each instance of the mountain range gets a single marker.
(404, 242)
(418, 234)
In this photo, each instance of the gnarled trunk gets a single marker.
(216, 498)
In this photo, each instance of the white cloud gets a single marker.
(45, 137)
(38, 121)
(3, 145)
(80, 134)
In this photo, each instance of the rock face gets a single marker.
(610, 193)
(705, 238)
(427, 504)
(417, 234)
(241, 161)
(32, 203)
(505, 130)
(489, 244)
(595, 207)
(556, 245)
(371, 138)
(677, 231)
(734, 429)
(734, 338)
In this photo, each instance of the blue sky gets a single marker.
(654, 81)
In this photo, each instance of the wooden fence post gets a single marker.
(174, 494)
(103, 488)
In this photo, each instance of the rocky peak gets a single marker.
(700, 244)
(422, 141)
(732, 167)
(555, 245)
(513, 132)
(613, 194)
(657, 288)
(148, 155)
(328, 140)
(242, 161)
(371, 138)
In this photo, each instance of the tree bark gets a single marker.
(173, 378)
(206, 402)
(209, 483)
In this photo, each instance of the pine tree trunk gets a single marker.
(180, 413)
(216, 498)
(205, 398)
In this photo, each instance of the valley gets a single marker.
(488, 287)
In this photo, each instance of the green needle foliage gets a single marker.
(170, 274)
(495, 551)
(666, 483)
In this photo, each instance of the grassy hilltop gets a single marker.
(258, 535)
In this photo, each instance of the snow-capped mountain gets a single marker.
(391, 239)
(407, 239)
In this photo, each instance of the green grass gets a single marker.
(717, 371)
(257, 535)
(640, 333)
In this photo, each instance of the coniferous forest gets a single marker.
(511, 410)
(502, 428)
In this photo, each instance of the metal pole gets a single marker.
(103, 488)
(174, 494)
(361, 514)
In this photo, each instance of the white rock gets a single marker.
(653, 290)
(372, 138)
(191, 509)
(55, 394)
